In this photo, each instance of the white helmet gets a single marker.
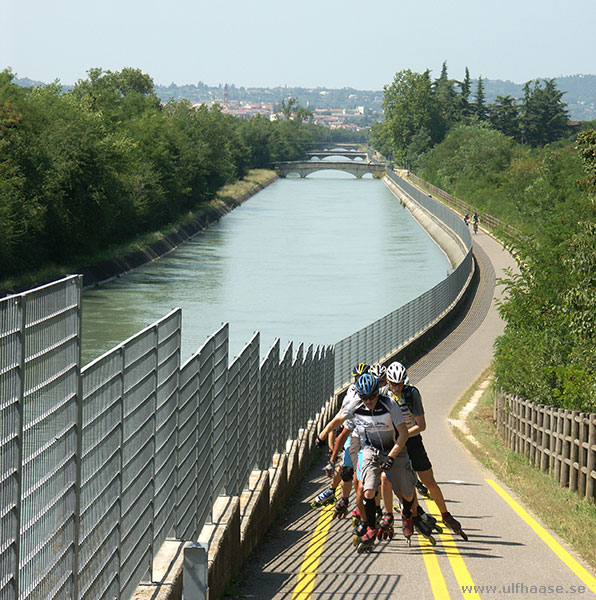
(378, 370)
(396, 373)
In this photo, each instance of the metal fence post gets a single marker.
(79, 442)
(22, 303)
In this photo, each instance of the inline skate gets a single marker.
(324, 498)
(454, 525)
(341, 508)
(422, 489)
(366, 541)
(385, 527)
(432, 522)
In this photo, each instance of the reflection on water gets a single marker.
(310, 260)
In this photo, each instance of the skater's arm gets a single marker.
(417, 410)
(419, 427)
(339, 444)
(333, 424)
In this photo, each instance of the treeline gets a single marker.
(546, 187)
(106, 161)
(420, 111)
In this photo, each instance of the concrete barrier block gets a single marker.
(255, 511)
(167, 574)
(278, 477)
(223, 540)
(293, 472)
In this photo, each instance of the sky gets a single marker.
(309, 43)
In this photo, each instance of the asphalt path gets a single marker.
(509, 554)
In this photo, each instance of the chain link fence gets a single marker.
(99, 465)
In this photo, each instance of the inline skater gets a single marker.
(380, 372)
(345, 472)
(409, 399)
(382, 433)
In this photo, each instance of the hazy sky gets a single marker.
(308, 43)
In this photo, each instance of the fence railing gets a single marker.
(99, 465)
(558, 441)
(496, 225)
(393, 331)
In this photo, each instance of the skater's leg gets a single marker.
(428, 479)
(387, 493)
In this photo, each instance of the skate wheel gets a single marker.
(464, 535)
(360, 549)
(438, 529)
(409, 540)
(432, 540)
(355, 541)
(355, 522)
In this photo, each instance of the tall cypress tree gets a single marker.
(466, 88)
(446, 97)
(480, 103)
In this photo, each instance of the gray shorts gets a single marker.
(401, 475)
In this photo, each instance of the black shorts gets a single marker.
(417, 454)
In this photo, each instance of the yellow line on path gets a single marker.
(435, 575)
(464, 579)
(546, 537)
(310, 563)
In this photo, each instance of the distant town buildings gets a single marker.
(334, 118)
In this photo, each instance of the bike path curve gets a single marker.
(307, 555)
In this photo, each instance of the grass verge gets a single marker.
(572, 518)
(50, 272)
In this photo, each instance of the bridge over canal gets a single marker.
(305, 167)
(351, 154)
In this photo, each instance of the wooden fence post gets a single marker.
(591, 458)
(581, 441)
(533, 418)
(542, 446)
(552, 441)
(574, 462)
(559, 444)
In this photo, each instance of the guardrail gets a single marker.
(100, 465)
(496, 225)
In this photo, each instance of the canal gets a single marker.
(309, 260)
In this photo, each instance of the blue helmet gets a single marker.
(367, 385)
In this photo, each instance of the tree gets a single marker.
(292, 109)
(479, 107)
(379, 137)
(446, 98)
(586, 146)
(410, 106)
(503, 115)
(466, 88)
(543, 115)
